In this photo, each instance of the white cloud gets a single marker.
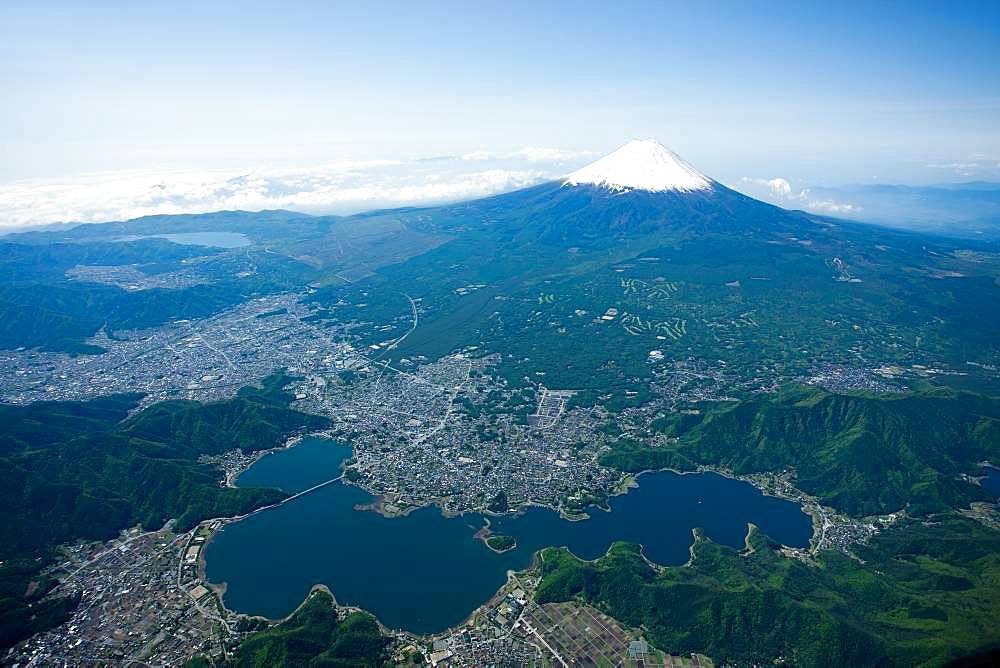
(777, 188)
(338, 187)
(477, 156)
(780, 191)
(956, 166)
(535, 154)
(829, 206)
(981, 168)
(529, 153)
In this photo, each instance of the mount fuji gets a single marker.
(642, 215)
(641, 188)
(642, 165)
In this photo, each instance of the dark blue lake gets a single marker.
(991, 482)
(425, 572)
(310, 462)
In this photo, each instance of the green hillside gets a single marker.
(84, 470)
(314, 636)
(926, 594)
(862, 455)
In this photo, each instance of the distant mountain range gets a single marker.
(961, 210)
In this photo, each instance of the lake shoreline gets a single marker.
(301, 544)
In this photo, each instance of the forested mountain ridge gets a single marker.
(95, 474)
(863, 455)
(84, 470)
(315, 636)
(924, 595)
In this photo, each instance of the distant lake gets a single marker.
(425, 572)
(212, 239)
(991, 483)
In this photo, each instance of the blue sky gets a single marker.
(815, 94)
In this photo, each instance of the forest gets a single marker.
(315, 635)
(860, 454)
(85, 470)
(924, 594)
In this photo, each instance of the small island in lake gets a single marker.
(501, 544)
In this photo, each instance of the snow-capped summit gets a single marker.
(642, 165)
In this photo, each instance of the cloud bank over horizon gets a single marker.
(341, 187)
(347, 186)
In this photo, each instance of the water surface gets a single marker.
(991, 483)
(309, 462)
(425, 572)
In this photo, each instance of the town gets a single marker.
(512, 629)
(141, 603)
(203, 360)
